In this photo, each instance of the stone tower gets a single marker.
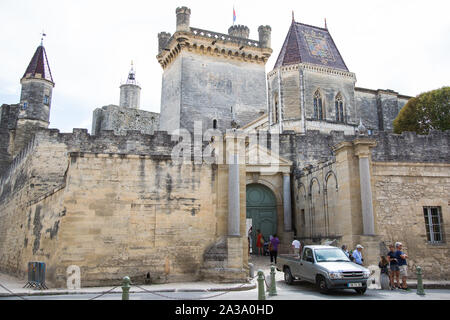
(311, 87)
(130, 92)
(211, 77)
(35, 99)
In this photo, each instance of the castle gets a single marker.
(299, 151)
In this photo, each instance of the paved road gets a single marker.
(297, 291)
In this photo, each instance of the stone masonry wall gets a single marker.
(121, 119)
(208, 89)
(147, 214)
(8, 121)
(401, 190)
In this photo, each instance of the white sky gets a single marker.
(402, 45)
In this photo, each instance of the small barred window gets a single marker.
(433, 224)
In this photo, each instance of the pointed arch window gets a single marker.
(319, 113)
(339, 106)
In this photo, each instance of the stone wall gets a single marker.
(379, 108)
(8, 121)
(411, 147)
(401, 190)
(121, 119)
(146, 216)
(205, 88)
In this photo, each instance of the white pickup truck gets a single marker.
(328, 267)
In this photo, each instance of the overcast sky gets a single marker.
(402, 45)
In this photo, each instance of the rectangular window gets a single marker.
(433, 224)
(25, 106)
(46, 100)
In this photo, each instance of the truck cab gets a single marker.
(326, 266)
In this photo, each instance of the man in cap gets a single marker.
(358, 255)
(402, 264)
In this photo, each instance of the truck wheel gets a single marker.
(288, 276)
(322, 284)
(361, 290)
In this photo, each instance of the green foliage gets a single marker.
(428, 111)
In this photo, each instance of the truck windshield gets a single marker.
(330, 255)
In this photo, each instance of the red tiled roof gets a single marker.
(309, 44)
(39, 65)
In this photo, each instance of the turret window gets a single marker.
(46, 100)
(25, 106)
(319, 113)
(339, 105)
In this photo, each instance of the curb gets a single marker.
(53, 293)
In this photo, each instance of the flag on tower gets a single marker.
(234, 16)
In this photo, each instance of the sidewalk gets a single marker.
(260, 263)
(263, 263)
(16, 285)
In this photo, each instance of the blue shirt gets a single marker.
(358, 256)
(401, 261)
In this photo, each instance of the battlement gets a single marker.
(412, 147)
(315, 147)
(234, 45)
(239, 31)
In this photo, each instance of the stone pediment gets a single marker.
(264, 161)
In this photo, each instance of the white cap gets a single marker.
(398, 244)
(359, 246)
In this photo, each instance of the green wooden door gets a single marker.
(262, 209)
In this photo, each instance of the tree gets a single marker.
(428, 111)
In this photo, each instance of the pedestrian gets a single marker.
(296, 247)
(357, 254)
(260, 242)
(402, 264)
(273, 248)
(384, 274)
(393, 266)
(344, 248)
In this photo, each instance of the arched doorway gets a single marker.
(262, 210)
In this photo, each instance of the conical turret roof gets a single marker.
(38, 66)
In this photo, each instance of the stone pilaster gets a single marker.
(287, 202)
(362, 151)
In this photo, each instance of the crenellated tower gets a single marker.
(212, 77)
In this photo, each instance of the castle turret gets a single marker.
(239, 31)
(183, 19)
(35, 100)
(37, 86)
(163, 39)
(130, 92)
(265, 36)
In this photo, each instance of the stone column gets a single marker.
(287, 202)
(363, 153)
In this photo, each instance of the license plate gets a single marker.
(354, 285)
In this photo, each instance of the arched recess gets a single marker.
(302, 209)
(316, 207)
(261, 205)
(331, 201)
